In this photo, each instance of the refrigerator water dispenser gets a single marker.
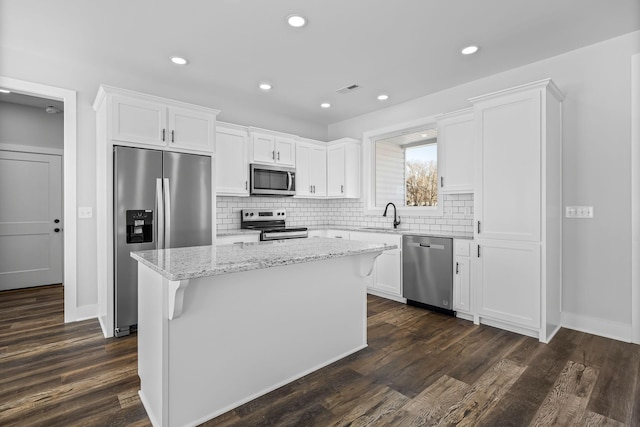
(139, 226)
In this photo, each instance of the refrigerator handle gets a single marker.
(167, 214)
(160, 215)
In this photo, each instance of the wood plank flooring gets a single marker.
(421, 368)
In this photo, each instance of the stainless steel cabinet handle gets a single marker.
(246, 185)
(457, 267)
(478, 251)
(56, 221)
(478, 227)
(441, 181)
(173, 136)
(273, 155)
(57, 230)
(278, 155)
(163, 132)
(342, 188)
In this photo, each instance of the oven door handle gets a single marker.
(277, 235)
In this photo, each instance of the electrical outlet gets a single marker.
(579, 212)
(85, 212)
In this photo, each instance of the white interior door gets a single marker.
(30, 205)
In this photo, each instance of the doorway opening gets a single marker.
(64, 100)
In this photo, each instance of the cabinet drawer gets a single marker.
(462, 247)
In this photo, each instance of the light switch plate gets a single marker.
(85, 212)
(579, 211)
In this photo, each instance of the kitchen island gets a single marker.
(220, 326)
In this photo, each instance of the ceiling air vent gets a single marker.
(348, 89)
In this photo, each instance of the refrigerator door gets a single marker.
(187, 200)
(136, 172)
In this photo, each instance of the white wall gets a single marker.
(596, 167)
(85, 79)
(27, 125)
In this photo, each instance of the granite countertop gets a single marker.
(203, 261)
(237, 232)
(398, 231)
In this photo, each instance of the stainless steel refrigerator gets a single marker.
(161, 200)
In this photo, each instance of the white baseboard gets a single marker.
(592, 325)
(83, 312)
(386, 295)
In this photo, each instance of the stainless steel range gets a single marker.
(271, 223)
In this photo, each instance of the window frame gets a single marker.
(369, 161)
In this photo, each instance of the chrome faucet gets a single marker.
(396, 220)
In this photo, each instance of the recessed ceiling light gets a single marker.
(179, 60)
(325, 105)
(383, 97)
(469, 50)
(296, 21)
(265, 86)
(5, 91)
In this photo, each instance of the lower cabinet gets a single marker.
(386, 279)
(462, 292)
(508, 280)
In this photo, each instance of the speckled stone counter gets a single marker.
(203, 261)
(397, 231)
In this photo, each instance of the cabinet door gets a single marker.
(508, 280)
(508, 189)
(462, 285)
(138, 121)
(387, 272)
(263, 148)
(285, 151)
(335, 170)
(232, 167)
(319, 171)
(456, 152)
(303, 170)
(191, 129)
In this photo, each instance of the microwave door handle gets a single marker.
(290, 181)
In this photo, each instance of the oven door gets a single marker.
(272, 180)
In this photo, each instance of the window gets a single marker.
(406, 169)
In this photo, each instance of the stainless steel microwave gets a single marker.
(272, 180)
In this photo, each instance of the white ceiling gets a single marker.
(404, 48)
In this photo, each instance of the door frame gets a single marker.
(71, 310)
(635, 198)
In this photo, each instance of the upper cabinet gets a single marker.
(311, 169)
(271, 148)
(144, 119)
(456, 152)
(232, 164)
(343, 168)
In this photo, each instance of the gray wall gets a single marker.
(27, 125)
(596, 163)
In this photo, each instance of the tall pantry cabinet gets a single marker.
(518, 208)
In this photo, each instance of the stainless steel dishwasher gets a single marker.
(427, 272)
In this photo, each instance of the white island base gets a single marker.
(233, 337)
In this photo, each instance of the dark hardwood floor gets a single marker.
(421, 368)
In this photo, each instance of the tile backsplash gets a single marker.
(457, 215)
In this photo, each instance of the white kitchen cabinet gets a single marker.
(231, 239)
(386, 279)
(311, 170)
(456, 152)
(149, 120)
(232, 171)
(343, 168)
(276, 149)
(462, 297)
(518, 208)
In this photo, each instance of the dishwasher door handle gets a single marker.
(426, 245)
